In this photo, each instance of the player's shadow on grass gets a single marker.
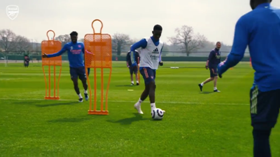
(69, 120)
(206, 92)
(28, 102)
(128, 121)
(45, 103)
(57, 104)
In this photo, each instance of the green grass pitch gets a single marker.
(202, 124)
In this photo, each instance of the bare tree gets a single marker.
(119, 42)
(36, 47)
(133, 41)
(187, 40)
(6, 38)
(63, 39)
(21, 44)
(130, 43)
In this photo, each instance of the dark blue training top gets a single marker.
(75, 54)
(214, 58)
(132, 61)
(260, 30)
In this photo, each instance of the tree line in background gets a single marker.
(184, 41)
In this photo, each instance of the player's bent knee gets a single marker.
(147, 86)
(75, 85)
(152, 85)
(75, 80)
(84, 80)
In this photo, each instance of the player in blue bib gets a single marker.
(75, 51)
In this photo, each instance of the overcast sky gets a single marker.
(213, 18)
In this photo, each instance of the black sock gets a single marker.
(261, 143)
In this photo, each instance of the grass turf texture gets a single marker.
(195, 123)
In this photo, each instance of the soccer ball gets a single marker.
(157, 114)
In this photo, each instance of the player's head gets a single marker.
(74, 36)
(157, 32)
(255, 3)
(218, 45)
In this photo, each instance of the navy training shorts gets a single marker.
(78, 72)
(264, 108)
(148, 74)
(213, 71)
(133, 69)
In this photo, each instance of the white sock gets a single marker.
(140, 101)
(80, 95)
(202, 84)
(153, 106)
(85, 91)
(132, 82)
(137, 81)
(215, 88)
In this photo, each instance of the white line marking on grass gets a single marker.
(159, 102)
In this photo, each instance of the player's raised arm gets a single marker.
(55, 54)
(140, 44)
(83, 51)
(240, 43)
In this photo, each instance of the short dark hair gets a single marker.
(158, 27)
(73, 33)
(265, 1)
